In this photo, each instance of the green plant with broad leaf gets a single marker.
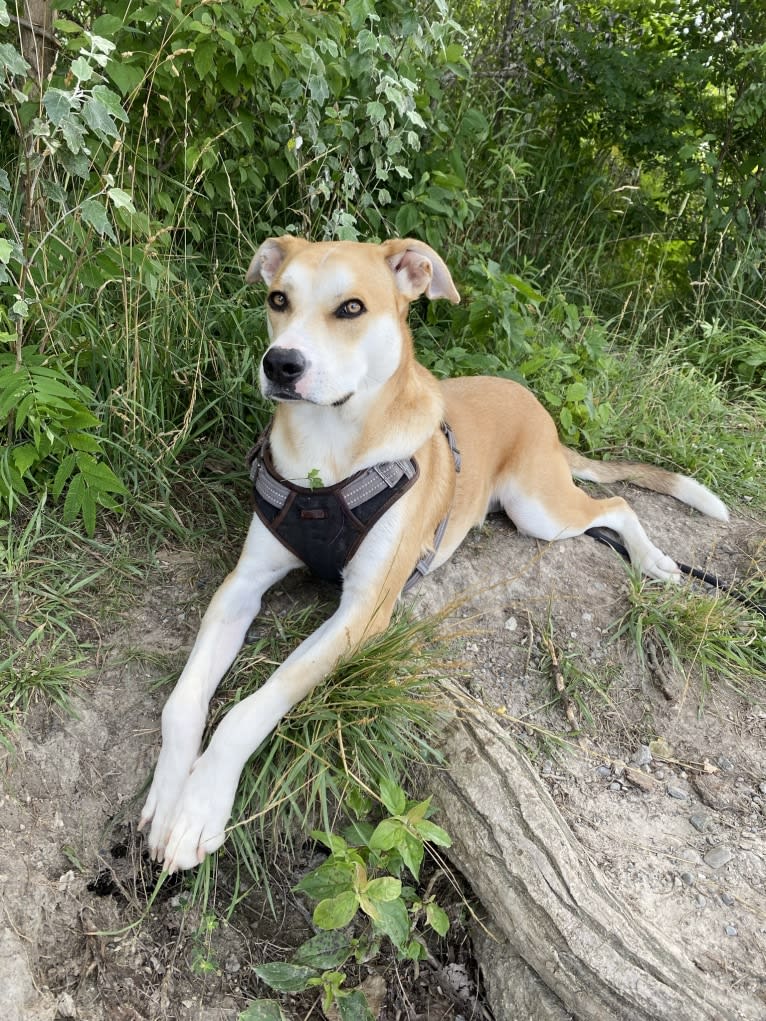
(362, 898)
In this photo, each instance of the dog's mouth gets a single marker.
(285, 395)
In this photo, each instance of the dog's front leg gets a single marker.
(262, 563)
(369, 593)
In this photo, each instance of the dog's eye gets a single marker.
(350, 309)
(277, 300)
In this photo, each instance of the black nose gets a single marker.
(283, 365)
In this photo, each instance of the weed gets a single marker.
(703, 636)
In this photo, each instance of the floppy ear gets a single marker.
(419, 270)
(269, 257)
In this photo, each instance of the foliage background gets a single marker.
(594, 175)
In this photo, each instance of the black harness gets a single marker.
(325, 526)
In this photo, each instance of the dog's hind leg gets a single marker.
(557, 509)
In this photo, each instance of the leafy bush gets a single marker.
(362, 876)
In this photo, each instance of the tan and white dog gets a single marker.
(350, 395)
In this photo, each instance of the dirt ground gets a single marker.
(685, 847)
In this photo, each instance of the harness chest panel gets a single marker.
(324, 527)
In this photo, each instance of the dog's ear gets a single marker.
(419, 270)
(269, 257)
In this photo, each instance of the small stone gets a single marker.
(231, 965)
(728, 900)
(718, 856)
(615, 786)
(547, 769)
(677, 792)
(660, 774)
(511, 624)
(699, 821)
(725, 764)
(643, 756)
(731, 930)
(700, 900)
(762, 788)
(65, 1006)
(604, 771)
(639, 779)
(687, 878)
(618, 767)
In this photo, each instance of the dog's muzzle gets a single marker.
(283, 367)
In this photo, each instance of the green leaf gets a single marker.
(262, 53)
(121, 199)
(437, 918)
(388, 834)
(262, 1010)
(325, 950)
(5, 250)
(354, 1007)
(328, 880)
(384, 889)
(82, 70)
(125, 76)
(285, 978)
(394, 921)
(98, 118)
(393, 797)
(57, 103)
(24, 457)
(12, 61)
(430, 831)
(204, 57)
(74, 498)
(411, 850)
(93, 212)
(336, 912)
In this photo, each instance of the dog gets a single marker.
(353, 406)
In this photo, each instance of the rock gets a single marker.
(718, 856)
(604, 771)
(700, 900)
(688, 878)
(511, 624)
(618, 767)
(699, 821)
(725, 764)
(728, 900)
(677, 792)
(731, 930)
(643, 756)
(639, 779)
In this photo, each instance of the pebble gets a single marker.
(643, 756)
(511, 624)
(687, 878)
(731, 930)
(615, 786)
(762, 788)
(699, 821)
(701, 901)
(725, 764)
(604, 771)
(618, 767)
(718, 856)
(728, 900)
(677, 792)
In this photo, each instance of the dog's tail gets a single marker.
(648, 477)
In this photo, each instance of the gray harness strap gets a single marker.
(299, 517)
(423, 565)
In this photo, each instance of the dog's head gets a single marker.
(336, 313)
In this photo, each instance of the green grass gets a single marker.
(701, 638)
(373, 719)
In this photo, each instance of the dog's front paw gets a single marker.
(170, 776)
(199, 825)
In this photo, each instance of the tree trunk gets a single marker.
(38, 44)
(567, 945)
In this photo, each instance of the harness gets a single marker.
(324, 527)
